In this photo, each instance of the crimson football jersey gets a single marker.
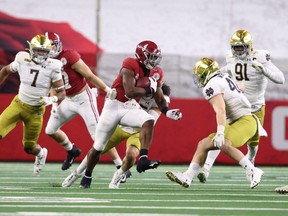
(73, 80)
(133, 65)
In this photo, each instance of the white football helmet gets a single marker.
(39, 48)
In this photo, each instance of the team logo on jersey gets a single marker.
(267, 57)
(209, 92)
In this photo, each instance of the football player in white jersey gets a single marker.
(233, 117)
(38, 74)
(132, 144)
(251, 69)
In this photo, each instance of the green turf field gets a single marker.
(151, 193)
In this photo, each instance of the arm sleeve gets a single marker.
(273, 73)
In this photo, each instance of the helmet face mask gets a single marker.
(55, 42)
(148, 54)
(241, 44)
(39, 48)
(203, 71)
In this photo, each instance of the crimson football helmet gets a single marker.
(148, 54)
(39, 48)
(55, 42)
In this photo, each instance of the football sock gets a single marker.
(246, 163)
(193, 170)
(211, 157)
(117, 162)
(67, 144)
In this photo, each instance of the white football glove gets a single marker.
(153, 84)
(48, 100)
(258, 67)
(110, 93)
(219, 139)
(174, 114)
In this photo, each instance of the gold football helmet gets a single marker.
(241, 44)
(39, 47)
(203, 70)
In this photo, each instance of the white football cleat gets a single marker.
(180, 178)
(40, 162)
(71, 179)
(116, 180)
(254, 176)
(282, 190)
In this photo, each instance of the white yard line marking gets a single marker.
(146, 207)
(19, 199)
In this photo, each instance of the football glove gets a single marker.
(174, 114)
(258, 67)
(219, 139)
(46, 101)
(153, 84)
(110, 93)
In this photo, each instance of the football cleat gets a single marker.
(116, 180)
(203, 175)
(145, 164)
(282, 190)
(71, 155)
(127, 175)
(40, 162)
(85, 182)
(179, 178)
(71, 179)
(254, 176)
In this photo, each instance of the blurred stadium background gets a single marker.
(106, 31)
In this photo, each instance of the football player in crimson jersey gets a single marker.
(233, 117)
(133, 145)
(125, 110)
(38, 74)
(80, 99)
(251, 69)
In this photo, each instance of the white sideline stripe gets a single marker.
(85, 214)
(146, 207)
(93, 200)
(51, 200)
(149, 194)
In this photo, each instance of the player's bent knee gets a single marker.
(50, 131)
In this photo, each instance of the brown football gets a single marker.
(143, 82)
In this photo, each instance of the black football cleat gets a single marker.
(145, 164)
(85, 182)
(127, 175)
(71, 155)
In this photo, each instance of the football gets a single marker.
(143, 82)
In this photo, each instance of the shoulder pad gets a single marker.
(262, 56)
(23, 56)
(229, 56)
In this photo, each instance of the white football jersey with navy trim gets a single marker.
(35, 79)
